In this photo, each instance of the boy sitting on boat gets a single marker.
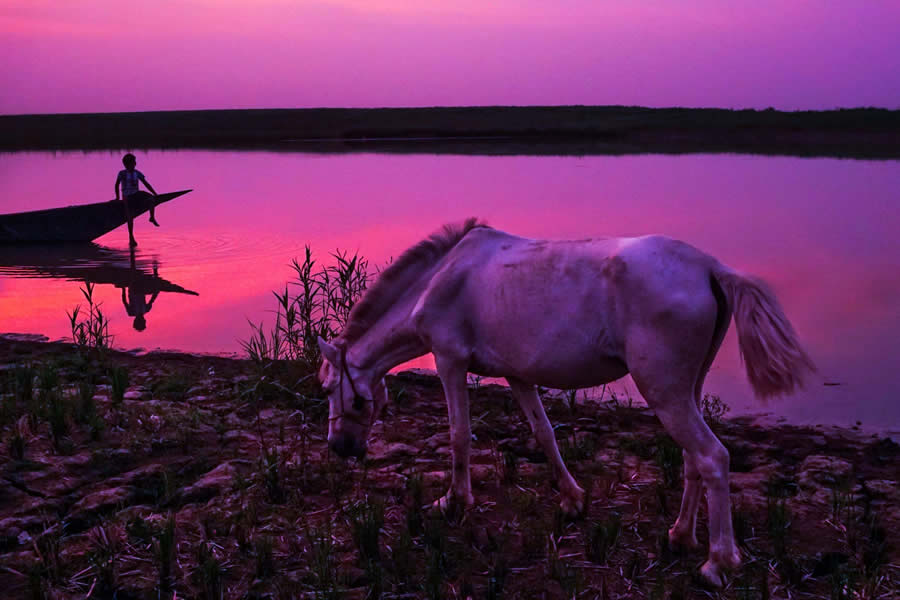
(129, 177)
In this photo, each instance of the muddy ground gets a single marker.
(206, 477)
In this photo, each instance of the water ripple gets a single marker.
(222, 248)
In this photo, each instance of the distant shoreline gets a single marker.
(491, 130)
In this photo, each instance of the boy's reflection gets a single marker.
(134, 295)
(97, 265)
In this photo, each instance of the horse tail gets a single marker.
(776, 362)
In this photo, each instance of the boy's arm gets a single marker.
(118, 179)
(147, 183)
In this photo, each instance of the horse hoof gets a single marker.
(683, 540)
(712, 574)
(733, 560)
(450, 506)
(441, 505)
(573, 504)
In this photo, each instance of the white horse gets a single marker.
(564, 314)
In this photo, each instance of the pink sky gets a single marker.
(112, 55)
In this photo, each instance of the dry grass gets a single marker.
(287, 520)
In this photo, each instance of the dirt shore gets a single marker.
(206, 477)
(576, 130)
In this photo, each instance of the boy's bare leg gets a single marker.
(131, 241)
(153, 216)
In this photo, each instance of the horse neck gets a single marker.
(391, 339)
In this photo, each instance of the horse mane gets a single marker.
(380, 296)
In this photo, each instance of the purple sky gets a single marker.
(113, 55)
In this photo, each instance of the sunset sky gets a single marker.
(113, 55)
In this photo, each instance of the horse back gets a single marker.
(550, 311)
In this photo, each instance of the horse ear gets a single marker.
(331, 353)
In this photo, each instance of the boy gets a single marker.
(129, 177)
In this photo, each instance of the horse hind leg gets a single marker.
(666, 371)
(572, 496)
(684, 532)
(680, 417)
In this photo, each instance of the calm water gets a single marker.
(822, 232)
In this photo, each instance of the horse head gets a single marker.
(355, 399)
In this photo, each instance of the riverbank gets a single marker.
(204, 477)
(576, 130)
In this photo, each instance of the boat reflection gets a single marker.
(136, 275)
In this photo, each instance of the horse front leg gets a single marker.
(572, 501)
(453, 379)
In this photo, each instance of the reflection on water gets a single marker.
(821, 232)
(138, 278)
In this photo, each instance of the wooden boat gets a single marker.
(81, 223)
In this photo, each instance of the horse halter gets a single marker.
(358, 400)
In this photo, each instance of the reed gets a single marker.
(402, 557)
(16, 444)
(47, 547)
(602, 538)
(271, 467)
(317, 303)
(118, 379)
(669, 459)
(90, 331)
(324, 564)
(264, 550)
(497, 574)
(53, 407)
(23, 391)
(778, 522)
(164, 549)
(209, 573)
(103, 555)
(366, 520)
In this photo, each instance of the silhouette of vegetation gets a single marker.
(492, 130)
(316, 304)
(90, 332)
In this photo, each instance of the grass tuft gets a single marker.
(366, 520)
(164, 552)
(209, 574)
(118, 378)
(602, 538)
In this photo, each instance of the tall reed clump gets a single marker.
(90, 330)
(317, 303)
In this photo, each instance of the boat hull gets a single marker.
(81, 223)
